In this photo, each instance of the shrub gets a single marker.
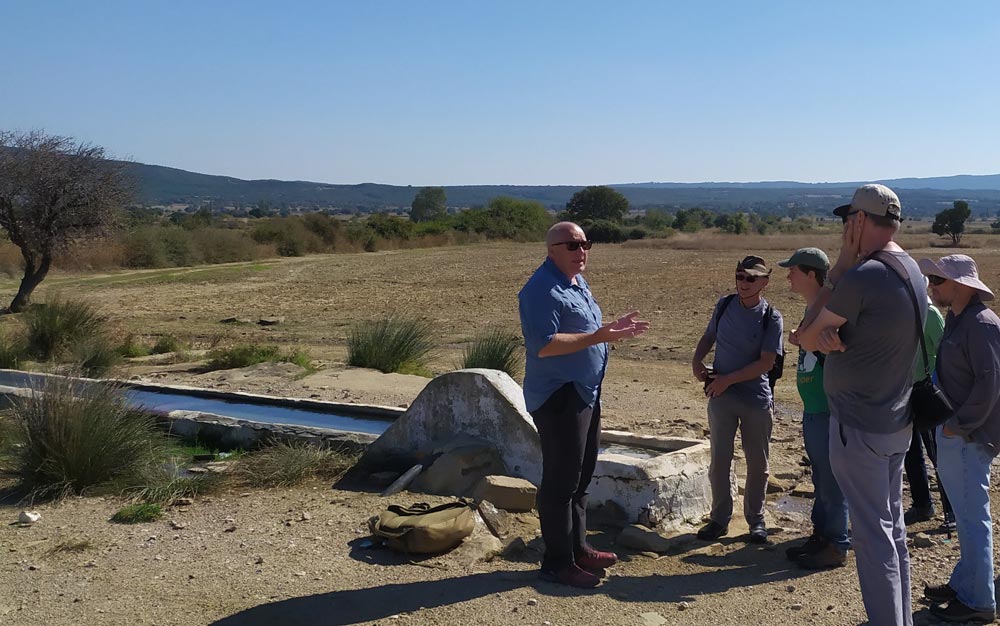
(53, 327)
(496, 350)
(603, 231)
(167, 343)
(95, 357)
(138, 513)
(130, 348)
(390, 344)
(282, 464)
(77, 436)
(12, 351)
(247, 354)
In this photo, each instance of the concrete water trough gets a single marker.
(658, 481)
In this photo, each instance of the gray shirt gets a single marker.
(868, 385)
(968, 371)
(739, 341)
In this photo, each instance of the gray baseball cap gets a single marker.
(873, 199)
(809, 257)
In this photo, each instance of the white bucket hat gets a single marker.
(959, 268)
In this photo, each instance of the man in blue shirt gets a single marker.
(566, 353)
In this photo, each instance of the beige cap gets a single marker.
(959, 268)
(873, 199)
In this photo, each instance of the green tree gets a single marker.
(734, 223)
(693, 220)
(54, 192)
(429, 204)
(598, 202)
(951, 222)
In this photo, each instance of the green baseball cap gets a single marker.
(810, 257)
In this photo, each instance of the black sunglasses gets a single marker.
(935, 280)
(844, 217)
(573, 246)
(747, 278)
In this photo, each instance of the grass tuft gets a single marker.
(71, 546)
(167, 343)
(494, 349)
(130, 348)
(138, 513)
(95, 357)
(74, 437)
(391, 344)
(12, 351)
(58, 325)
(247, 354)
(282, 464)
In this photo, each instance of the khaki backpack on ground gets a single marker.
(423, 529)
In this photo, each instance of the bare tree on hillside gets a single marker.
(55, 191)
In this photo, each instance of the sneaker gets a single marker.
(712, 530)
(758, 533)
(812, 544)
(827, 557)
(917, 514)
(955, 611)
(595, 559)
(940, 593)
(571, 575)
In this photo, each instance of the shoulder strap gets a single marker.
(722, 309)
(897, 268)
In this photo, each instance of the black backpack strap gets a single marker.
(722, 309)
(897, 268)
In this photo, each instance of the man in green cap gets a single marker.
(828, 544)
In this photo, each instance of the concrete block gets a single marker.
(507, 493)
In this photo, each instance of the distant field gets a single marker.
(673, 282)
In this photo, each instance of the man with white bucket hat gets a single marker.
(968, 371)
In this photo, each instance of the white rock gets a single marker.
(28, 517)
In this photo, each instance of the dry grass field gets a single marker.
(313, 572)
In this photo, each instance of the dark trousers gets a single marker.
(570, 434)
(916, 471)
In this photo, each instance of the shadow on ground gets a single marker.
(742, 568)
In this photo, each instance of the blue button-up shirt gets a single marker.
(550, 303)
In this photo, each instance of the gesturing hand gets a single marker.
(625, 327)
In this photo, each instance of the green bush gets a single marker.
(138, 513)
(95, 357)
(247, 354)
(58, 325)
(12, 351)
(75, 437)
(496, 350)
(167, 343)
(603, 231)
(282, 464)
(390, 344)
(130, 348)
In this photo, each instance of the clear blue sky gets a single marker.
(536, 92)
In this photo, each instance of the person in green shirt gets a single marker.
(827, 546)
(922, 508)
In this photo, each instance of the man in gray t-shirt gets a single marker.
(746, 332)
(868, 328)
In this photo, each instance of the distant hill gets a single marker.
(920, 196)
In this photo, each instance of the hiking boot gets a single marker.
(916, 514)
(827, 557)
(955, 611)
(940, 593)
(571, 575)
(758, 533)
(712, 530)
(595, 559)
(812, 544)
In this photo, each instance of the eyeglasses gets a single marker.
(844, 217)
(935, 280)
(746, 278)
(573, 246)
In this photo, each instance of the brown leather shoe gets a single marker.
(595, 559)
(571, 575)
(826, 557)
